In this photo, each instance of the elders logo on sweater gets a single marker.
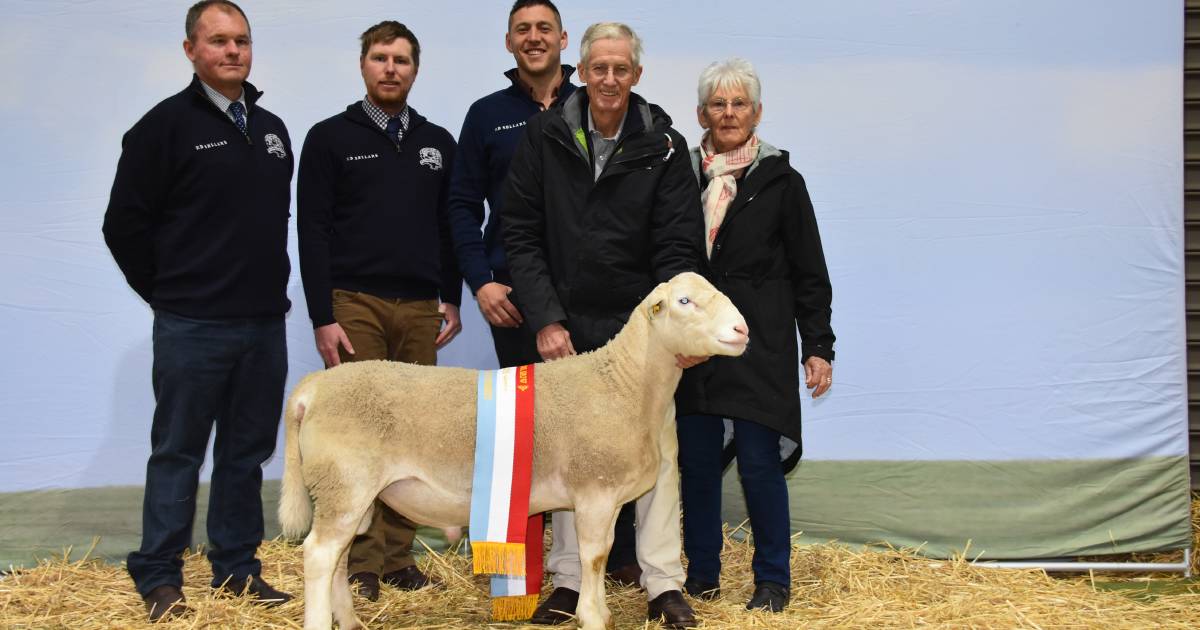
(432, 158)
(275, 146)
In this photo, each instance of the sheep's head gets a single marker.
(691, 317)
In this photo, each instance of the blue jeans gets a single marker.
(757, 447)
(227, 372)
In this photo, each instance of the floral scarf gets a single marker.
(721, 170)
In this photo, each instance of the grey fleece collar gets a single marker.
(576, 119)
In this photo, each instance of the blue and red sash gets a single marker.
(500, 521)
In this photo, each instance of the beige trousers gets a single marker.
(658, 536)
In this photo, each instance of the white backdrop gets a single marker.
(998, 187)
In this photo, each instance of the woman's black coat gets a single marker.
(768, 259)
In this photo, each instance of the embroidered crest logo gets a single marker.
(432, 158)
(275, 146)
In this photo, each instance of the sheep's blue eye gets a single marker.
(683, 300)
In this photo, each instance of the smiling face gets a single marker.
(731, 117)
(610, 76)
(220, 51)
(388, 70)
(536, 40)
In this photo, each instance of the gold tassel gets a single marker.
(498, 558)
(513, 608)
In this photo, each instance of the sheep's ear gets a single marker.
(657, 300)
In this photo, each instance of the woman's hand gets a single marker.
(819, 374)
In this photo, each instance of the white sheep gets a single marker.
(406, 434)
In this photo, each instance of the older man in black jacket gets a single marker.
(601, 207)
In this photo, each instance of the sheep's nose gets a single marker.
(742, 328)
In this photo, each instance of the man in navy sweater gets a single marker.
(197, 222)
(490, 132)
(375, 252)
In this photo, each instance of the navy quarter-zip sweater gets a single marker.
(372, 215)
(197, 218)
(491, 130)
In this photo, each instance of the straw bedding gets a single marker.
(832, 587)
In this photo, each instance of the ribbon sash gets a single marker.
(500, 520)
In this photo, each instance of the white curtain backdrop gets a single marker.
(998, 186)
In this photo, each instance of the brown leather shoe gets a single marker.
(672, 610)
(257, 589)
(409, 579)
(368, 585)
(165, 602)
(558, 608)
(628, 575)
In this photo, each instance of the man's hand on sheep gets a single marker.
(496, 307)
(329, 337)
(818, 373)
(554, 342)
(452, 324)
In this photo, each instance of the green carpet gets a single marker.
(35, 525)
(995, 510)
(1012, 509)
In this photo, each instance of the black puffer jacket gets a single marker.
(768, 259)
(586, 252)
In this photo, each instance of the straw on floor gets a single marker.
(833, 587)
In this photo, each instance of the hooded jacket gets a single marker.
(768, 259)
(585, 251)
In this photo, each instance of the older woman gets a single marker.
(764, 252)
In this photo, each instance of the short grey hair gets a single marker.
(610, 30)
(731, 73)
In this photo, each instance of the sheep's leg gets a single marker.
(594, 521)
(321, 553)
(326, 589)
(343, 599)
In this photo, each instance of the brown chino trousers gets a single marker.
(394, 330)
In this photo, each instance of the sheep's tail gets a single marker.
(295, 504)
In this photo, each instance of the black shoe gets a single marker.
(409, 579)
(702, 590)
(628, 575)
(257, 589)
(672, 610)
(165, 602)
(368, 585)
(558, 608)
(769, 596)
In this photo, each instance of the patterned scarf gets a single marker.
(722, 171)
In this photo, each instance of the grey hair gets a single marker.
(728, 74)
(610, 30)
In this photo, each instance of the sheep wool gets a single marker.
(500, 518)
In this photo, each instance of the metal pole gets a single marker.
(1184, 567)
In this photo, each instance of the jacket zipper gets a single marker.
(742, 206)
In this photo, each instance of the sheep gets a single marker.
(406, 434)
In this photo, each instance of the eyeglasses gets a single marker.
(718, 106)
